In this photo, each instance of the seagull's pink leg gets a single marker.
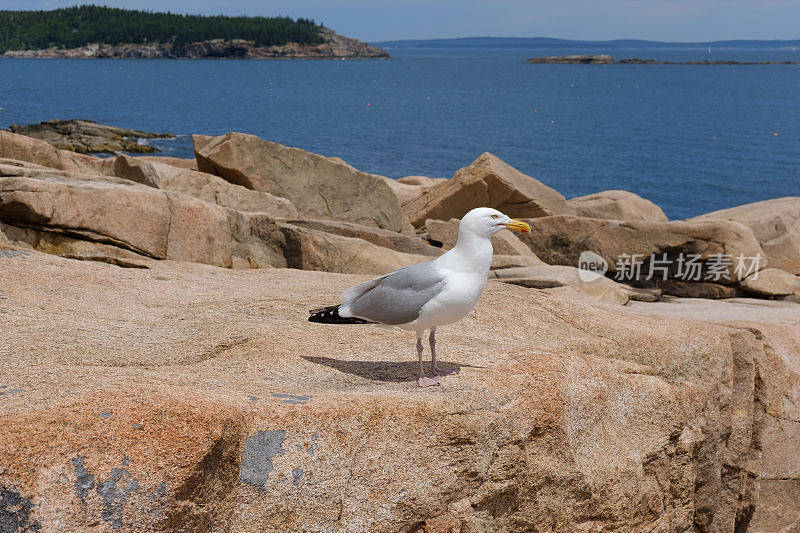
(436, 371)
(424, 381)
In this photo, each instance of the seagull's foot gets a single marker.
(428, 382)
(445, 372)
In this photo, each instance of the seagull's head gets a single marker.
(485, 221)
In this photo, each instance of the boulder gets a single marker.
(410, 244)
(644, 295)
(446, 233)
(405, 193)
(689, 289)
(137, 219)
(24, 148)
(771, 282)
(180, 162)
(192, 397)
(616, 205)
(69, 247)
(309, 249)
(199, 142)
(514, 261)
(206, 187)
(107, 210)
(560, 240)
(159, 224)
(411, 187)
(6, 162)
(776, 225)
(551, 276)
(199, 232)
(127, 167)
(421, 181)
(487, 182)
(316, 185)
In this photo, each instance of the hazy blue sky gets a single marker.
(376, 20)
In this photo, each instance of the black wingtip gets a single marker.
(330, 315)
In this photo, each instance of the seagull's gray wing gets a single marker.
(395, 298)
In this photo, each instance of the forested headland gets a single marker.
(73, 27)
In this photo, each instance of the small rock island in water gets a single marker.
(86, 32)
(88, 137)
(605, 59)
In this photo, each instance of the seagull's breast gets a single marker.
(460, 294)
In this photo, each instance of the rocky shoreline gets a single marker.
(87, 137)
(257, 183)
(335, 47)
(158, 371)
(603, 59)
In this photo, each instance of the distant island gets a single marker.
(104, 32)
(616, 44)
(605, 59)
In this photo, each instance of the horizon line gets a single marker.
(615, 40)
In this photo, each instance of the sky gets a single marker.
(382, 20)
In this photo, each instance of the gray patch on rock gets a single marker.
(84, 481)
(137, 425)
(15, 512)
(297, 475)
(5, 390)
(253, 398)
(257, 456)
(115, 493)
(291, 398)
(313, 448)
(105, 414)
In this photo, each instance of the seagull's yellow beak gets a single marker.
(518, 225)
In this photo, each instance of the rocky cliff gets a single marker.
(335, 47)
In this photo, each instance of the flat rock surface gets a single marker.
(195, 397)
(730, 309)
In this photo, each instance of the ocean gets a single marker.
(692, 139)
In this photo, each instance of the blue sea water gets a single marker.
(692, 139)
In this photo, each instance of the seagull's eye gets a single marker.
(494, 216)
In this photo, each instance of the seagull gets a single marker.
(427, 295)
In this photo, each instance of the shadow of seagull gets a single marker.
(388, 371)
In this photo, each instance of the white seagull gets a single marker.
(427, 295)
